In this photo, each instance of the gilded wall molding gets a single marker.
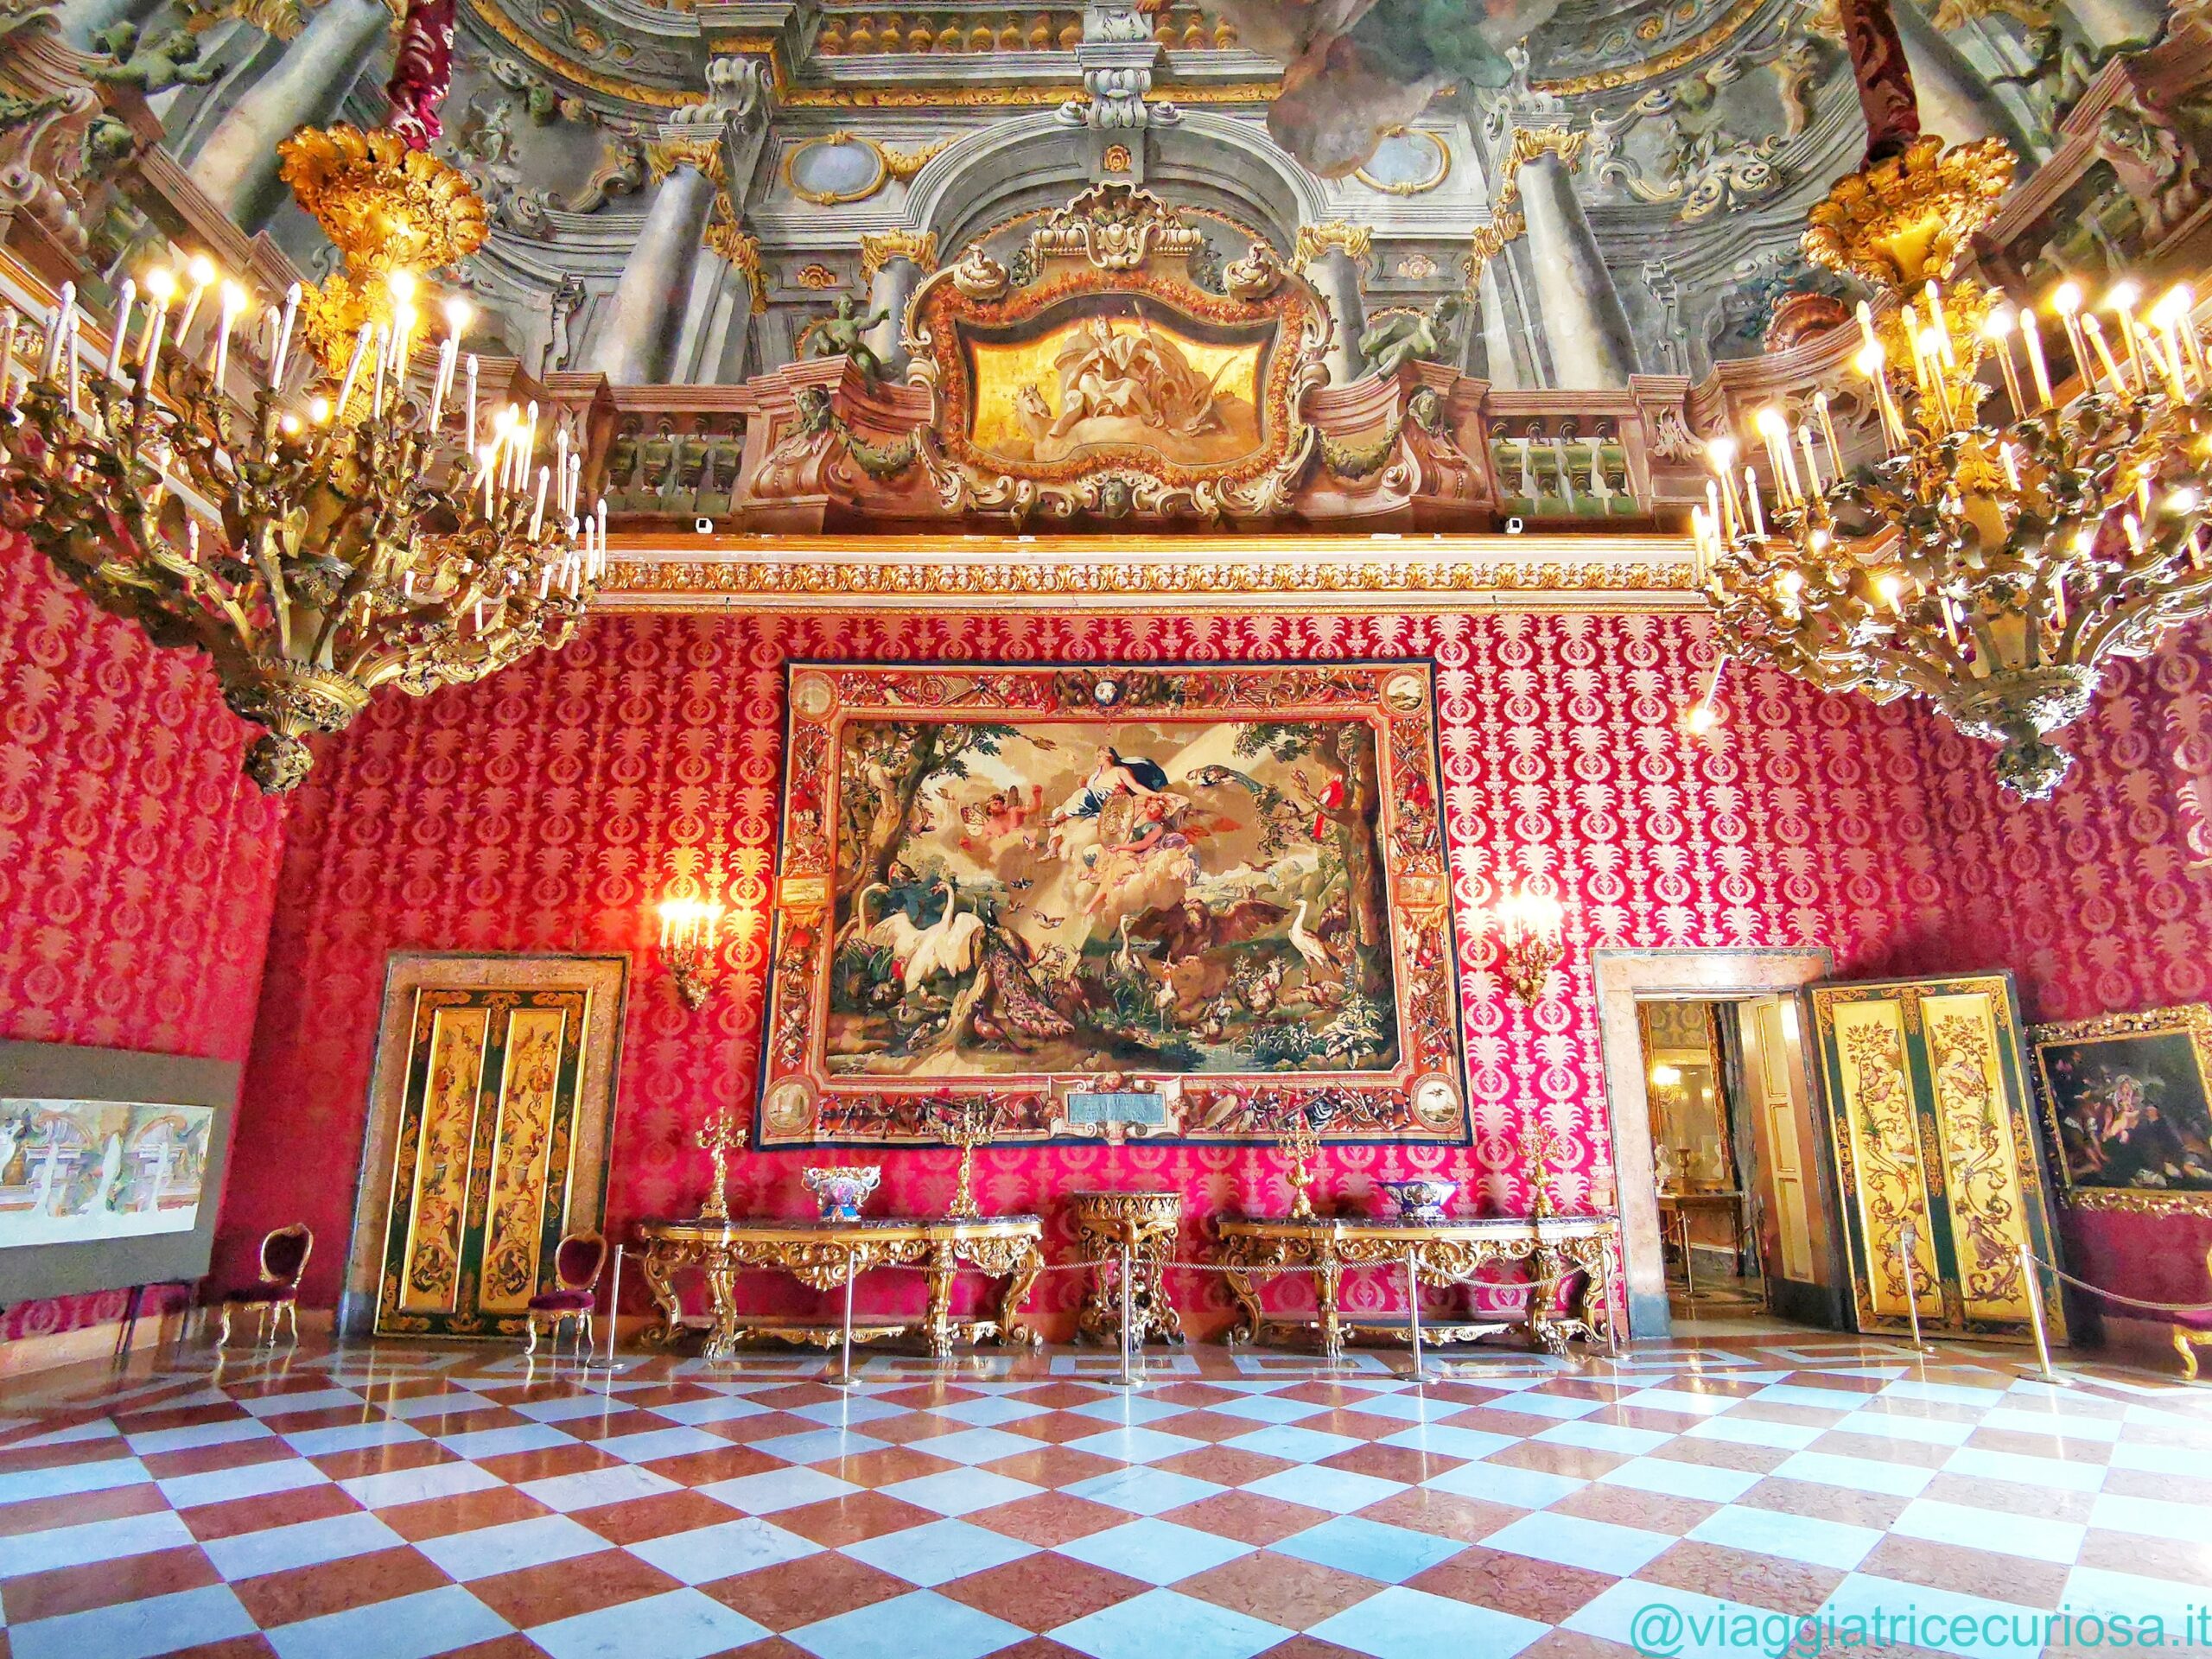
(880, 248)
(1355, 242)
(1528, 143)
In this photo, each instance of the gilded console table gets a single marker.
(821, 1254)
(1443, 1253)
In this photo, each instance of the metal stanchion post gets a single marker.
(614, 1309)
(845, 1378)
(1128, 1378)
(1413, 1314)
(2034, 1284)
(1906, 1236)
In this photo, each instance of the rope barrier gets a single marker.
(2115, 1296)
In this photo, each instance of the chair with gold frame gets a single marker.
(2192, 1331)
(578, 1260)
(284, 1255)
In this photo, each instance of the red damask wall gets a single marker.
(543, 811)
(137, 864)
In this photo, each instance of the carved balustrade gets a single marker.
(948, 29)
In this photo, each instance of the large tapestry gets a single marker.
(1219, 888)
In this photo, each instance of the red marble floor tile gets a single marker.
(1736, 1576)
(1839, 1383)
(657, 1517)
(1577, 1462)
(1321, 1392)
(513, 1645)
(1444, 1514)
(793, 1593)
(1651, 1421)
(1492, 1421)
(434, 1517)
(515, 1467)
(1195, 1394)
(1052, 1465)
(2166, 1488)
(1402, 1463)
(102, 1584)
(237, 1647)
(43, 1514)
(1916, 1453)
(302, 1422)
(477, 1420)
(778, 1647)
(1044, 1592)
(333, 1587)
(791, 1396)
(1628, 1506)
(1966, 1572)
(1061, 1396)
(914, 1426)
(153, 1418)
(1058, 1427)
(1573, 1644)
(1464, 1394)
(1224, 1465)
(1723, 1454)
(1355, 1424)
(1780, 1411)
(886, 1467)
(745, 1431)
(2155, 1557)
(582, 1584)
(209, 1521)
(228, 1454)
(1819, 1502)
(836, 1521)
(667, 1394)
(382, 1459)
(1246, 1517)
(105, 1448)
(1546, 1590)
(1308, 1646)
(1201, 1424)
(1278, 1589)
(1048, 1519)
(2012, 1497)
(704, 1468)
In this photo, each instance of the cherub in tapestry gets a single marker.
(1155, 895)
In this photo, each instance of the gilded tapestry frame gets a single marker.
(2193, 1018)
(1419, 1098)
(1969, 1205)
(1114, 243)
(408, 975)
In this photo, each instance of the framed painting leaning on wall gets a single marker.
(2127, 1098)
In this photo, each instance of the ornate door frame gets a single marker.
(408, 974)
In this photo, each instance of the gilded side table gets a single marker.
(1147, 1222)
(1443, 1253)
(821, 1254)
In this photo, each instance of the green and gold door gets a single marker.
(1936, 1156)
(482, 1167)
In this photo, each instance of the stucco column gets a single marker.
(1328, 257)
(2115, 22)
(237, 165)
(1499, 369)
(893, 264)
(1955, 102)
(633, 344)
(1581, 313)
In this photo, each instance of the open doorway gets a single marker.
(1727, 1209)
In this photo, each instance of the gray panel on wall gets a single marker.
(62, 1071)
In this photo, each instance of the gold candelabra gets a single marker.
(319, 534)
(1300, 1143)
(966, 1126)
(688, 932)
(1993, 567)
(1539, 1144)
(718, 1138)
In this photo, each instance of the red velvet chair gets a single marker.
(2192, 1331)
(283, 1258)
(577, 1262)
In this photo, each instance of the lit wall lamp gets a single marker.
(1532, 939)
(1704, 714)
(688, 928)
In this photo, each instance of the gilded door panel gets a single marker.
(1981, 1155)
(437, 1172)
(1887, 1172)
(482, 1163)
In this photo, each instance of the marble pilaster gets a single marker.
(893, 263)
(1580, 309)
(635, 340)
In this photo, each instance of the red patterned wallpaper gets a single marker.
(542, 811)
(137, 864)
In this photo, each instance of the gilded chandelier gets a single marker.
(1995, 567)
(344, 524)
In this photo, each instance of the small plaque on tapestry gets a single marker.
(1137, 1110)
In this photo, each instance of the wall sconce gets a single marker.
(1532, 933)
(687, 944)
(1703, 716)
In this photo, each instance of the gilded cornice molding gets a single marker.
(1355, 242)
(664, 156)
(1676, 57)
(1558, 572)
(880, 248)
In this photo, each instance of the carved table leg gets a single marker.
(661, 1266)
(1325, 1284)
(722, 1286)
(1545, 1329)
(1247, 1326)
(1013, 1330)
(936, 1323)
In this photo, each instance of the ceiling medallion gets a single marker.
(324, 520)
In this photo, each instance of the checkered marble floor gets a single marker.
(383, 1503)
